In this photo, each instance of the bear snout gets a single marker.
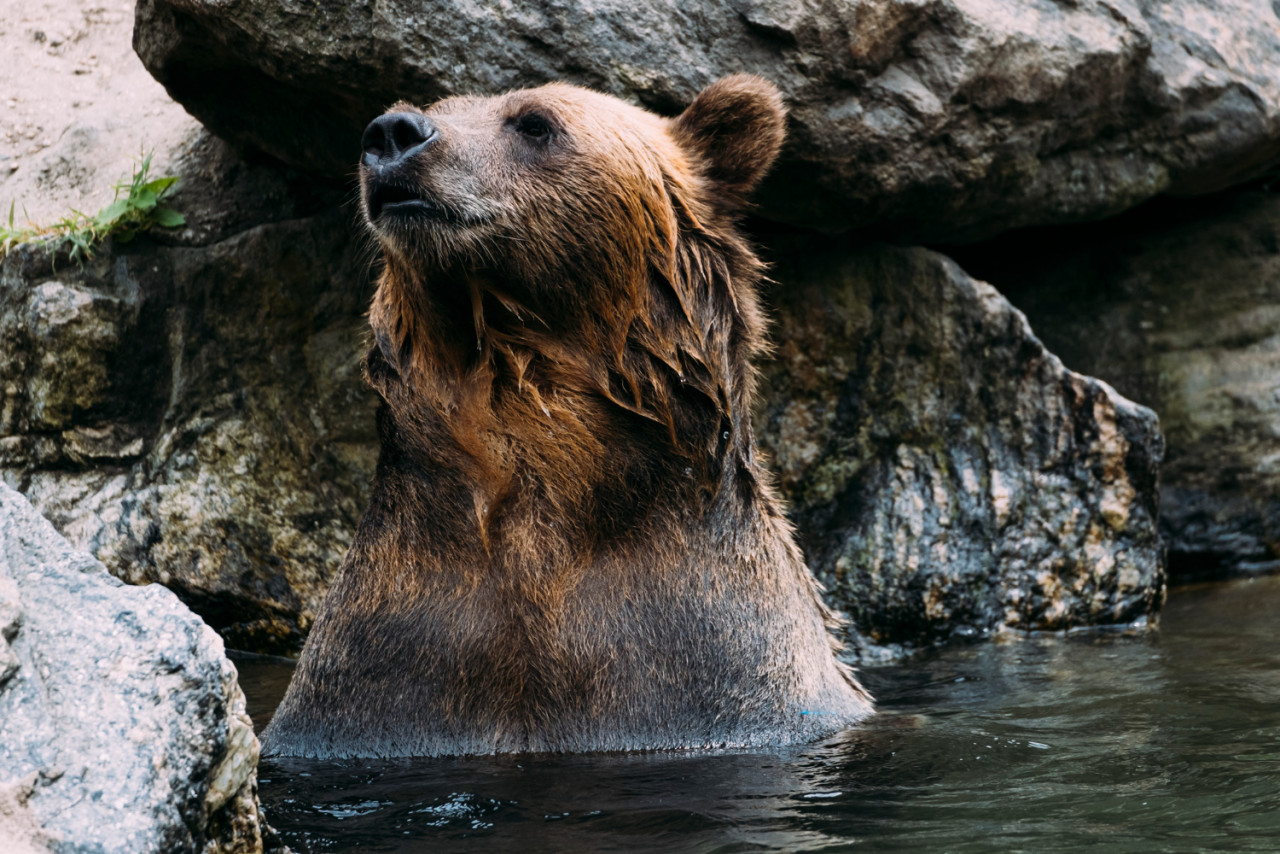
(393, 138)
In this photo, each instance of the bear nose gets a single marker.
(393, 137)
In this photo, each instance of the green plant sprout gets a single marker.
(135, 208)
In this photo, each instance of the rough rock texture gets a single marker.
(1179, 308)
(122, 728)
(930, 118)
(948, 476)
(192, 414)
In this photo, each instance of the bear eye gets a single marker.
(534, 126)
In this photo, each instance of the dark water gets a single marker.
(1167, 740)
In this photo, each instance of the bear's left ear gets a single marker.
(736, 125)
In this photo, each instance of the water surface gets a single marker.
(1164, 740)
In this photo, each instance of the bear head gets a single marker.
(559, 238)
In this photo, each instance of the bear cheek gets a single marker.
(470, 185)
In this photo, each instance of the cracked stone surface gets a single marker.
(1179, 308)
(192, 414)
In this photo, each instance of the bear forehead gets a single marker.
(581, 113)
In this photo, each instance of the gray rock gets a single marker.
(122, 729)
(947, 475)
(193, 414)
(939, 119)
(1179, 308)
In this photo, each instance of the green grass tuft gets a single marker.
(136, 208)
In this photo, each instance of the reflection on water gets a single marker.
(1167, 740)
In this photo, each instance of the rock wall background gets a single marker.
(192, 413)
(947, 475)
(927, 119)
(189, 408)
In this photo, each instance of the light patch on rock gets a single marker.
(1001, 496)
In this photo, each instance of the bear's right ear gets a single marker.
(736, 126)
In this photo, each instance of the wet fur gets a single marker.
(571, 544)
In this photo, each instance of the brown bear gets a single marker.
(571, 544)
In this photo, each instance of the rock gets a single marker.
(122, 729)
(952, 119)
(1178, 306)
(193, 413)
(947, 475)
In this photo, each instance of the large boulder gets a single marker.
(193, 413)
(947, 475)
(122, 727)
(1179, 308)
(946, 119)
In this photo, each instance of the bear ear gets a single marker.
(736, 126)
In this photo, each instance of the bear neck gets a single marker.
(601, 423)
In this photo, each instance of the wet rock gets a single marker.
(193, 413)
(933, 120)
(947, 475)
(122, 729)
(1178, 306)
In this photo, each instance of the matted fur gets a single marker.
(570, 544)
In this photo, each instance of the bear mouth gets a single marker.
(396, 200)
